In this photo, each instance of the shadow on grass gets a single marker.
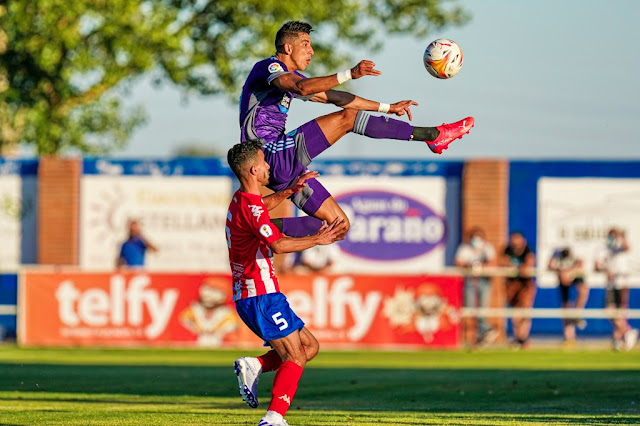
(545, 395)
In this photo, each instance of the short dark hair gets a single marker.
(242, 153)
(290, 31)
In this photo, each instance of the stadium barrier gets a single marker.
(71, 307)
(135, 308)
(547, 314)
(564, 313)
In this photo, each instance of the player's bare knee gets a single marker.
(312, 350)
(299, 358)
(347, 224)
(348, 118)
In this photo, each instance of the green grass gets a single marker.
(197, 387)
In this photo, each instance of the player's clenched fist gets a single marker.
(364, 68)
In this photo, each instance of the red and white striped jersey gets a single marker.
(249, 235)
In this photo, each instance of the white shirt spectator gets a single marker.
(613, 259)
(475, 253)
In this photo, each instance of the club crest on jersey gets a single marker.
(265, 231)
(256, 211)
(275, 67)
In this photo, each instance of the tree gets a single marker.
(64, 65)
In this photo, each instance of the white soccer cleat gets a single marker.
(248, 371)
(630, 338)
(264, 422)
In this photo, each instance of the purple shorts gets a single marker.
(289, 156)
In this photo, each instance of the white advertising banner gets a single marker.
(183, 216)
(397, 223)
(577, 213)
(17, 220)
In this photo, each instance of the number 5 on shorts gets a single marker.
(280, 321)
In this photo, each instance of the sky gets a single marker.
(544, 79)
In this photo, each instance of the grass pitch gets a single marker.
(198, 387)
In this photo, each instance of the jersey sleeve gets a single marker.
(259, 222)
(275, 69)
(267, 232)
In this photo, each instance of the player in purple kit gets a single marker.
(265, 101)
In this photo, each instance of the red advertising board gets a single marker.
(137, 308)
(378, 311)
(132, 308)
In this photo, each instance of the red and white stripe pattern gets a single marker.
(249, 235)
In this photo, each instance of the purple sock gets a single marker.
(381, 127)
(300, 226)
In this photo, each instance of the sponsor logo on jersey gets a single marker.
(285, 103)
(390, 226)
(275, 67)
(266, 231)
(256, 211)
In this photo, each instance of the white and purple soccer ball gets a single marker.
(443, 58)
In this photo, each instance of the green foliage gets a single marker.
(64, 65)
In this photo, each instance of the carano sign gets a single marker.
(389, 226)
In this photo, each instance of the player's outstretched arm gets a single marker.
(349, 100)
(272, 201)
(326, 235)
(310, 86)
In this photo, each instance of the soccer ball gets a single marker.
(443, 58)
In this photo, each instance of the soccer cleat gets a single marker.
(248, 371)
(264, 422)
(450, 132)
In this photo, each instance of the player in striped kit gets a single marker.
(252, 238)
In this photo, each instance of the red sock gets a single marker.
(270, 361)
(285, 384)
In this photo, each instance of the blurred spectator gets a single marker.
(520, 288)
(613, 260)
(475, 253)
(570, 274)
(133, 250)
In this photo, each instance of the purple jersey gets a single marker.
(263, 107)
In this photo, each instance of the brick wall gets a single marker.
(485, 198)
(58, 210)
(485, 189)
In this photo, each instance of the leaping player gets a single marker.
(264, 104)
